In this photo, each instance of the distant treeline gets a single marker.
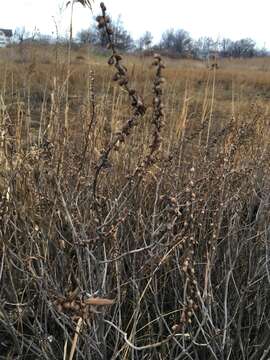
(173, 43)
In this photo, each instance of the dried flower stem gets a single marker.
(122, 79)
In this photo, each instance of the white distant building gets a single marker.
(5, 37)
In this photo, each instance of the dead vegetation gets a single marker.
(134, 211)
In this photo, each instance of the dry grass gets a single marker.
(162, 255)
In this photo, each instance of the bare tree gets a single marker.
(178, 42)
(145, 41)
(122, 38)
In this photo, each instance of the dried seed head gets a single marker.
(103, 7)
(155, 63)
(132, 92)
(110, 30)
(118, 57)
(111, 60)
(116, 77)
(101, 24)
(175, 327)
(157, 56)
(123, 81)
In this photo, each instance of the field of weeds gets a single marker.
(134, 208)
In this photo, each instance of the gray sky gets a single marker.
(227, 18)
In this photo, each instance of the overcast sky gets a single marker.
(217, 18)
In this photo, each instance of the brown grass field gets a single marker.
(134, 206)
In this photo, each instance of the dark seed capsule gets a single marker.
(118, 57)
(101, 25)
(110, 31)
(116, 77)
(103, 7)
(157, 56)
(132, 92)
(111, 60)
(123, 81)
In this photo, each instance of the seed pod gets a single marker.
(103, 7)
(122, 70)
(101, 25)
(111, 60)
(116, 77)
(118, 57)
(99, 301)
(123, 81)
(160, 113)
(110, 30)
(132, 92)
